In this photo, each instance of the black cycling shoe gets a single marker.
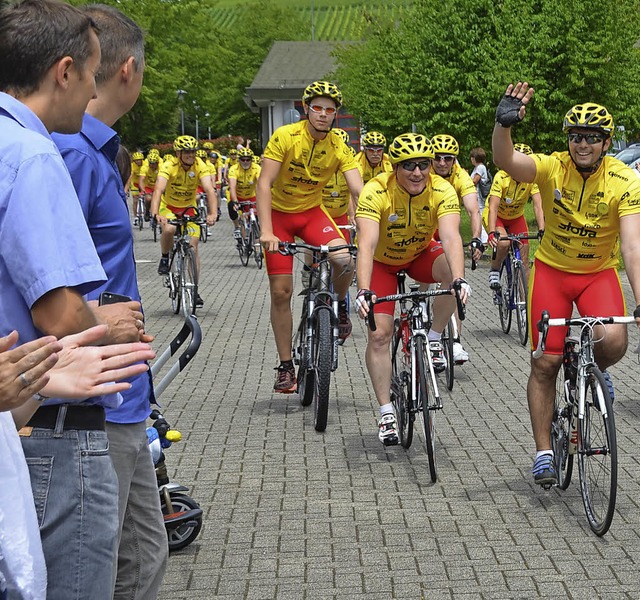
(199, 301)
(163, 267)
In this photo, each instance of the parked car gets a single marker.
(630, 154)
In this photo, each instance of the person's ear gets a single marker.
(62, 70)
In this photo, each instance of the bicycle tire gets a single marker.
(174, 283)
(257, 246)
(204, 232)
(189, 283)
(322, 358)
(243, 248)
(426, 400)
(598, 455)
(305, 377)
(447, 346)
(560, 433)
(504, 307)
(401, 389)
(520, 303)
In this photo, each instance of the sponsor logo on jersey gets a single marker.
(304, 180)
(410, 241)
(559, 203)
(327, 229)
(588, 244)
(565, 239)
(613, 174)
(558, 247)
(568, 195)
(583, 231)
(587, 256)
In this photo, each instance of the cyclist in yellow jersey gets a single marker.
(175, 193)
(299, 161)
(137, 160)
(504, 213)
(336, 197)
(147, 179)
(591, 205)
(445, 164)
(397, 215)
(372, 160)
(243, 179)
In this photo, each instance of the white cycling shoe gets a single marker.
(460, 355)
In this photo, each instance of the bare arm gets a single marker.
(62, 312)
(233, 184)
(449, 231)
(537, 210)
(158, 190)
(494, 204)
(354, 183)
(368, 235)
(470, 202)
(268, 175)
(630, 247)
(212, 198)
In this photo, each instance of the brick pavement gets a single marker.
(294, 514)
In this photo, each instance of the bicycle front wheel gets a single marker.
(598, 455)
(189, 283)
(401, 388)
(174, 283)
(427, 402)
(322, 359)
(140, 212)
(520, 302)
(504, 304)
(447, 346)
(243, 248)
(306, 377)
(560, 434)
(257, 246)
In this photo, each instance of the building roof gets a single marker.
(288, 69)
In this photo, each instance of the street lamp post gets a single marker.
(181, 94)
(196, 108)
(206, 116)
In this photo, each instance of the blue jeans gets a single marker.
(75, 489)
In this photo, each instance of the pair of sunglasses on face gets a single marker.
(328, 110)
(591, 138)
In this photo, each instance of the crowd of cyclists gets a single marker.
(404, 198)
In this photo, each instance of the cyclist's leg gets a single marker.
(519, 227)
(166, 239)
(501, 253)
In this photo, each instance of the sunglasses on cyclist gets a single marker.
(410, 165)
(448, 158)
(592, 138)
(374, 148)
(328, 110)
(245, 159)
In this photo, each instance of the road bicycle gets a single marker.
(315, 343)
(140, 211)
(512, 294)
(182, 279)
(203, 210)
(583, 426)
(249, 241)
(414, 388)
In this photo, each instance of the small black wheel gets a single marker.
(520, 303)
(323, 347)
(182, 535)
(504, 306)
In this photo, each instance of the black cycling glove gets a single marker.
(507, 111)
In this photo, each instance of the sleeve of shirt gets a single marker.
(544, 167)
(59, 252)
(369, 203)
(497, 185)
(82, 170)
(534, 189)
(446, 198)
(465, 183)
(233, 172)
(347, 159)
(275, 149)
(630, 200)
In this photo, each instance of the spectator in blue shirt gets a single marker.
(91, 158)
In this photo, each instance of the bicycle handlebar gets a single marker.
(545, 322)
(183, 219)
(295, 247)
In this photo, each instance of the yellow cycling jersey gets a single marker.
(582, 217)
(182, 184)
(335, 196)
(406, 222)
(246, 180)
(135, 175)
(307, 166)
(461, 181)
(150, 175)
(367, 171)
(513, 196)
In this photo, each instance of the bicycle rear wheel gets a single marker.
(175, 282)
(520, 302)
(504, 307)
(447, 345)
(598, 455)
(189, 283)
(257, 246)
(560, 432)
(401, 388)
(323, 352)
(426, 400)
(140, 211)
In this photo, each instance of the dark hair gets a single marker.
(120, 38)
(35, 35)
(479, 155)
(123, 162)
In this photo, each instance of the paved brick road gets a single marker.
(290, 513)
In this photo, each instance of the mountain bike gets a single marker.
(249, 243)
(583, 426)
(182, 279)
(414, 388)
(315, 343)
(512, 294)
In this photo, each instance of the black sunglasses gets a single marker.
(410, 165)
(592, 138)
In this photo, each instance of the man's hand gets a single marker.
(477, 248)
(211, 219)
(269, 242)
(362, 302)
(125, 322)
(492, 239)
(463, 287)
(511, 109)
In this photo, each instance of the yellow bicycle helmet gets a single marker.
(137, 155)
(233, 152)
(523, 148)
(590, 116)
(153, 156)
(207, 146)
(185, 142)
(408, 146)
(201, 154)
(245, 153)
(324, 89)
(445, 144)
(373, 138)
(344, 136)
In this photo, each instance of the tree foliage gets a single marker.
(444, 69)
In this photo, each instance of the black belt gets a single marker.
(77, 417)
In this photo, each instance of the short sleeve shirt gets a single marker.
(182, 184)
(246, 180)
(513, 195)
(461, 181)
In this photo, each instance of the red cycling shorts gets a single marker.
(314, 226)
(384, 281)
(555, 291)
(514, 226)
